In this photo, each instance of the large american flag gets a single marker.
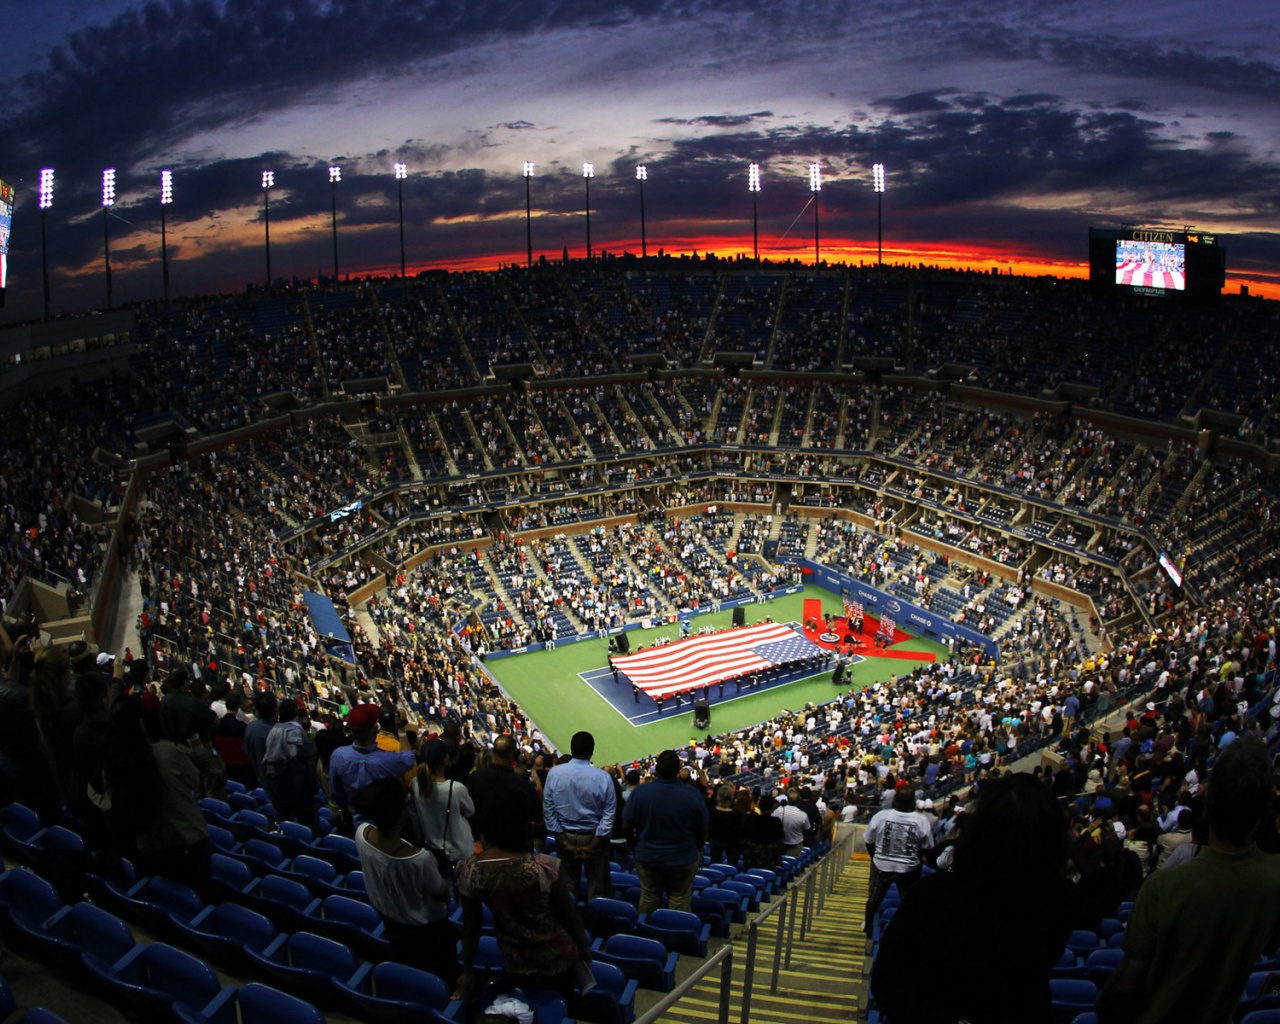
(704, 660)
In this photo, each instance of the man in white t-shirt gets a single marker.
(896, 838)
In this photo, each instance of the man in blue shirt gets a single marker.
(669, 821)
(579, 805)
(353, 767)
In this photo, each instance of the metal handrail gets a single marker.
(722, 956)
(811, 888)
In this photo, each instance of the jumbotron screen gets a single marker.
(1158, 262)
(6, 224)
(1151, 264)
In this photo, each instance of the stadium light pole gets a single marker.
(402, 172)
(815, 186)
(108, 201)
(877, 181)
(46, 201)
(268, 183)
(588, 172)
(642, 175)
(335, 176)
(528, 222)
(166, 197)
(753, 186)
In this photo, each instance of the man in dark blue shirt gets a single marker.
(668, 821)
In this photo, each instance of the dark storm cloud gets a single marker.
(170, 70)
(718, 120)
(915, 103)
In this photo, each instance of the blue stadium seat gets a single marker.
(392, 993)
(612, 1001)
(289, 904)
(307, 965)
(79, 928)
(22, 831)
(225, 932)
(356, 923)
(252, 1004)
(644, 960)
(605, 916)
(678, 930)
(1070, 997)
(26, 902)
(150, 978)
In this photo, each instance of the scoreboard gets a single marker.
(6, 225)
(1157, 261)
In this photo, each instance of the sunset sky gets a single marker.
(1007, 130)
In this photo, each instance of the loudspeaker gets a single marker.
(739, 616)
(622, 643)
(701, 714)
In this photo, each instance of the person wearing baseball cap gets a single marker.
(353, 767)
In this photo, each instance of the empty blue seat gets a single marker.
(736, 902)
(392, 993)
(79, 928)
(1082, 942)
(356, 923)
(231, 878)
(612, 1001)
(678, 930)
(607, 916)
(307, 965)
(22, 831)
(320, 876)
(150, 978)
(1070, 997)
(26, 902)
(644, 960)
(225, 932)
(152, 900)
(254, 1003)
(1099, 964)
(288, 903)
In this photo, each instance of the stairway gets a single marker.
(826, 981)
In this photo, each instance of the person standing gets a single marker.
(404, 883)
(289, 767)
(1226, 900)
(353, 767)
(669, 822)
(897, 837)
(1015, 841)
(579, 805)
(794, 823)
(501, 789)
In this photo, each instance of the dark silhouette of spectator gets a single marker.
(1015, 840)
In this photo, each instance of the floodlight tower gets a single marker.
(877, 181)
(528, 223)
(753, 186)
(166, 197)
(46, 201)
(268, 183)
(642, 175)
(588, 172)
(335, 176)
(108, 201)
(402, 172)
(815, 186)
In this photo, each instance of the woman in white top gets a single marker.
(404, 883)
(442, 807)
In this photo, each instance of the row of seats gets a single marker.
(308, 972)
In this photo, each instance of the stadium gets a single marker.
(497, 501)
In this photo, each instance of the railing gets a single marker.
(810, 892)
